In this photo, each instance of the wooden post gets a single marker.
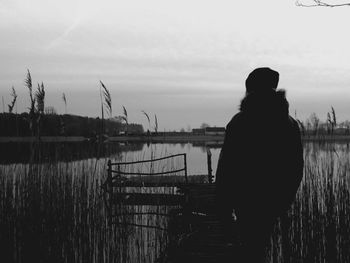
(109, 190)
(185, 164)
(210, 171)
(118, 175)
(110, 180)
(109, 172)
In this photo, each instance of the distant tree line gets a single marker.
(44, 121)
(63, 125)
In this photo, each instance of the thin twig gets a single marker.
(318, 3)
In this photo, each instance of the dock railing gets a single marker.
(119, 181)
(114, 174)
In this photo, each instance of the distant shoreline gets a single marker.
(159, 139)
(180, 138)
(174, 138)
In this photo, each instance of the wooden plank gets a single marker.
(147, 184)
(148, 174)
(129, 183)
(150, 160)
(147, 199)
(206, 242)
(201, 197)
(157, 181)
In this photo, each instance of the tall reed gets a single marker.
(317, 227)
(53, 211)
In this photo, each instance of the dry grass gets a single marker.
(317, 228)
(54, 212)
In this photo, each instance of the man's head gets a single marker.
(262, 79)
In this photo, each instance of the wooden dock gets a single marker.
(195, 233)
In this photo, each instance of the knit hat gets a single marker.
(262, 79)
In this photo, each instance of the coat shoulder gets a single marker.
(235, 121)
(294, 123)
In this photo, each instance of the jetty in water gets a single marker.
(195, 233)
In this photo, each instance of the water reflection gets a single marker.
(15, 152)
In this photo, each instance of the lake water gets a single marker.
(196, 155)
(11, 153)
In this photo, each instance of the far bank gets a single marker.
(183, 138)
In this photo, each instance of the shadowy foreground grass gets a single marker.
(54, 212)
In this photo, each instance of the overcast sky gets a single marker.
(184, 60)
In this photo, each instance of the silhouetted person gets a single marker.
(261, 163)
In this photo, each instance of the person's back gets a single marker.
(261, 163)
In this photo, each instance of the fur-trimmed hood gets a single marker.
(268, 102)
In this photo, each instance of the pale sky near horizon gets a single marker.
(184, 60)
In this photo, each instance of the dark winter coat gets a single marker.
(261, 162)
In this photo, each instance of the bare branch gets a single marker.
(316, 3)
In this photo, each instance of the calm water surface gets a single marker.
(21, 153)
(196, 155)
